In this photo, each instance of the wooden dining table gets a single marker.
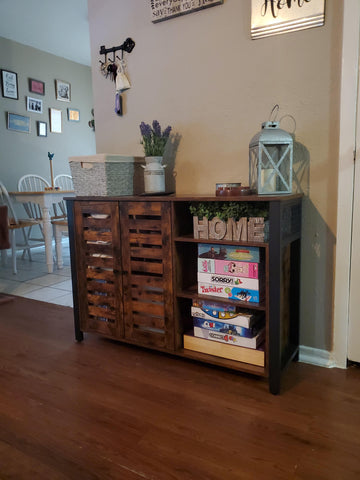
(45, 199)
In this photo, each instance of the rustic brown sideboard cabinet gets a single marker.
(134, 274)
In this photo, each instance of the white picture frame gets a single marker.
(34, 105)
(63, 91)
(55, 120)
(274, 17)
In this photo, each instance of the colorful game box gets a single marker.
(236, 253)
(229, 328)
(236, 340)
(226, 267)
(229, 292)
(219, 279)
(241, 319)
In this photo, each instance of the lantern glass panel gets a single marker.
(253, 168)
(275, 168)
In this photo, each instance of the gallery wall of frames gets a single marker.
(46, 104)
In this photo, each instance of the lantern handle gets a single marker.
(293, 119)
(276, 107)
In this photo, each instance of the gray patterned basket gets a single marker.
(106, 175)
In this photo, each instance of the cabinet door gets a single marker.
(147, 273)
(97, 237)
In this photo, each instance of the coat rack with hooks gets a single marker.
(116, 70)
(127, 46)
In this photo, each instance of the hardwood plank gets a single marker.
(102, 312)
(96, 236)
(143, 252)
(148, 321)
(100, 274)
(101, 300)
(148, 307)
(146, 280)
(144, 224)
(145, 238)
(146, 267)
(144, 208)
(104, 410)
(94, 286)
(147, 294)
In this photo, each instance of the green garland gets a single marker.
(226, 210)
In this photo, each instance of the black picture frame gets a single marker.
(36, 86)
(9, 84)
(41, 129)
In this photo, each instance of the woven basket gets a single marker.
(106, 175)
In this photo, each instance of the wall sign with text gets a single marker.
(165, 9)
(272, 17)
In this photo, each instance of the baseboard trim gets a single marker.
(316, 356)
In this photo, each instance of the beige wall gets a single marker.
(203, 75)
(22, 153)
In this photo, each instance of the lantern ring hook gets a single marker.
(276, 110)
(293, 119)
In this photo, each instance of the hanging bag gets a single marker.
(122, 82)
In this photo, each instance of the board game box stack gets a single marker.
(230, 271)
(222, 330)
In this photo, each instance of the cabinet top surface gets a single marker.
(191, 198)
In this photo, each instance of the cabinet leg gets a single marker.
(79, 335)
(274, 384)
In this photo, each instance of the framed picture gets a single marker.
(62, 91)
(73, 115)
(18, 123)
(36, 86)
(34, 105)
(9, 84)
(55, 120)
(42, 129)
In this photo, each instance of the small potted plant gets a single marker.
(154, 141)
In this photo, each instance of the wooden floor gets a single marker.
(102, 410)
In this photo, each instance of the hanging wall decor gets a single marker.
(36, 86)
(270, 17)
(34, 105)
(167, 9)
(19, 123)
(62, 91)
(115, 70)
(9, 84)
(55, 120)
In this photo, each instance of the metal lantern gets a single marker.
(270, 160)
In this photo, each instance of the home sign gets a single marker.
(165, 9)
(273, 17)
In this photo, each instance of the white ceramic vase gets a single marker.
(154, 175)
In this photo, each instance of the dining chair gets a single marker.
(60, 225)
(33, 183)
(15, 224)
(64, 182)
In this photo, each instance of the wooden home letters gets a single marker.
(244, 229)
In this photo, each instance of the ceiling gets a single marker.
(59, 27)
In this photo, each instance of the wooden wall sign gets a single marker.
(248, 230)
(273, 17)
(165, 9)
